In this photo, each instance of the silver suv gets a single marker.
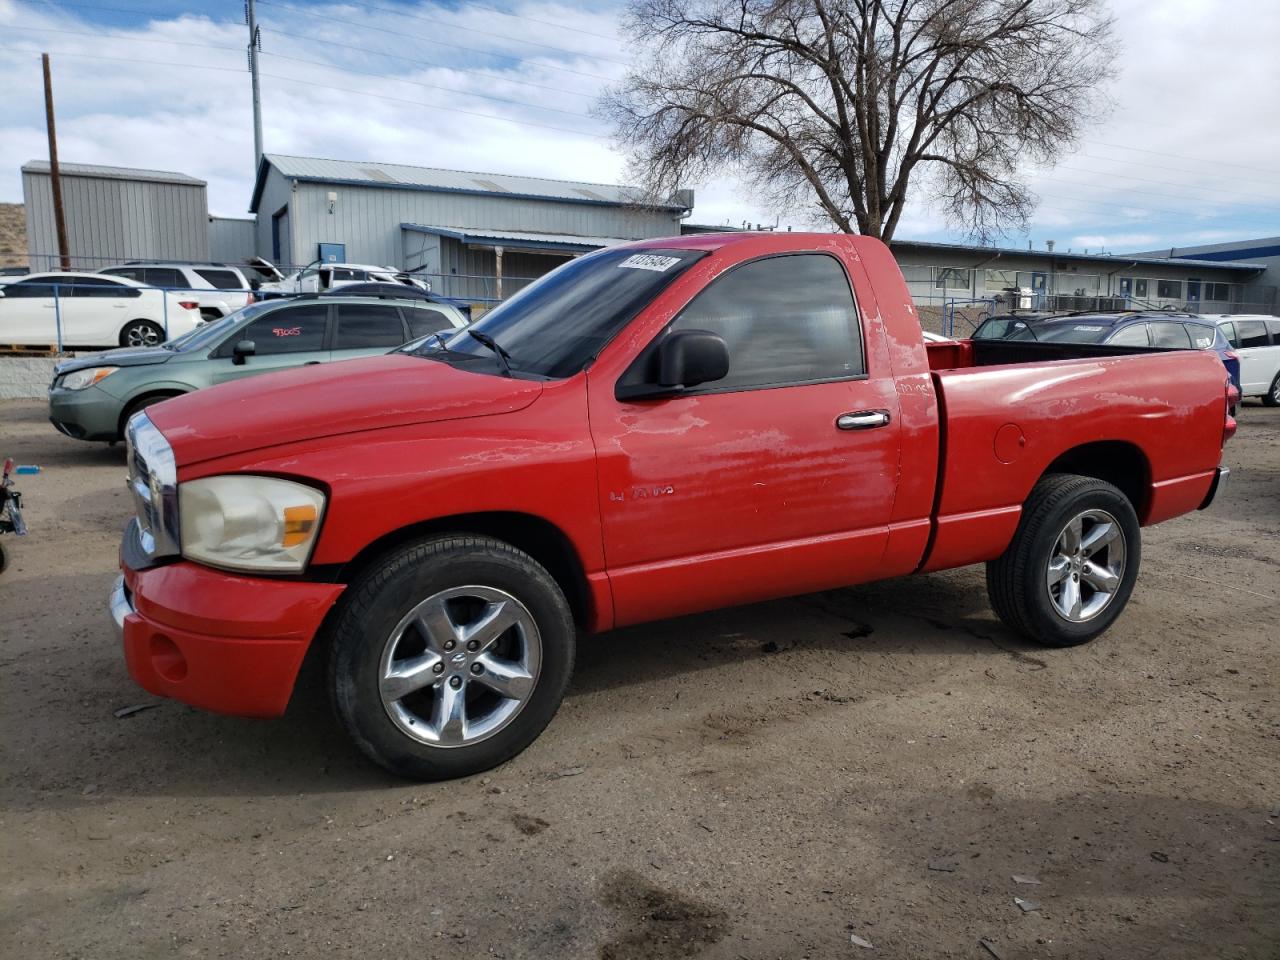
(218, 288)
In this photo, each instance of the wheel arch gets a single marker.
(539, 538)
(1120, 463)
(128, 408)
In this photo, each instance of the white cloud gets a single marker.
(1189, 151)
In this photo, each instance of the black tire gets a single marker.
(380, 599)
(1017, 581)
(1272, 397)
(142, 404)
(141, 333)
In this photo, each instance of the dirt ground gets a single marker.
(763, 782)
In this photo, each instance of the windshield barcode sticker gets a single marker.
(649, 261)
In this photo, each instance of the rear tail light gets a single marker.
(250, 298)
(1230, 355)
(189, 304)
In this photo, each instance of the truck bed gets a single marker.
(1008, 409)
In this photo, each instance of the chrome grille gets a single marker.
(153, 483)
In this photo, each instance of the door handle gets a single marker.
(312, 363)
(863, 420)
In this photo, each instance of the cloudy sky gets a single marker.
(1190, 154)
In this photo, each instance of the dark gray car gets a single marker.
(92, 397)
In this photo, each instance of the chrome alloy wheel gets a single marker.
(1086, 566)
(141, 335)
(460, 665)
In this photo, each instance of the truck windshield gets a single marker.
(557, 325)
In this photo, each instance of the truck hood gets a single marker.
(124, 357)
(329, 400)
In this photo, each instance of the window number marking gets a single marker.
(287, 331)
(648, 261)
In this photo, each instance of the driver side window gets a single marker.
(786, 320)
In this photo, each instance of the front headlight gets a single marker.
(83, 379)
(243, 522)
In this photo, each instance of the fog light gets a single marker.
(167, 659)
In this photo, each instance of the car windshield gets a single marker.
(1004, 328)
(558, 324)
(208, 334)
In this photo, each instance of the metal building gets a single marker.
(477, 235)
(946, 274)
(232, 239)
(115, 214)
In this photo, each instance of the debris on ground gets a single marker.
(136, 708)
(1020, 878)
(858, 941)
(1159, 857)
(943, 866)
(570, 772)
(1026, 906)
(769, 647)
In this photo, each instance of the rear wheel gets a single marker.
(1071, 566)
(141, 333)
(450, 656)
(1272, 397)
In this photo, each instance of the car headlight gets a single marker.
(244, 522)
(82, 379)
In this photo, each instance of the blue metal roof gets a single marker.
(1108, 259)
(516, 239)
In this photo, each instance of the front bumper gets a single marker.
(1220, 478)
(89, 414)
(220, 641)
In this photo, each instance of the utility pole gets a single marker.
(55, 176)
(255, 44)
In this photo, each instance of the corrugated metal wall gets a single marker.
(367, 219)
(231, 240)
(111, 219)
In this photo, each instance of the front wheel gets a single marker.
(450, 656)
(1272, 397)
(1072, 564)
(141, 333)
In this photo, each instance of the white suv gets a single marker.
(218, 288)
(318, 277)
(1256, 340)
(90, 310)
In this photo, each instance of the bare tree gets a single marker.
(838, 104)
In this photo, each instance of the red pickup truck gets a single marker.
(654, 429)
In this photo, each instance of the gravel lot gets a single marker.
(763, 782)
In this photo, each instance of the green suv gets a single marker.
(92, 397)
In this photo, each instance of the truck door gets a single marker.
(778, 479)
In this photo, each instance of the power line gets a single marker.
(303, 80)
(486, 74)
(454, 26)
(1162, 183)
(331, 66)
(503, 13)
(1179, 156)
(426, 86)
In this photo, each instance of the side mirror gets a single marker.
(691, 357)
(243, 349)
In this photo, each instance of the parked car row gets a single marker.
(1249, 345)
(92, 397)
